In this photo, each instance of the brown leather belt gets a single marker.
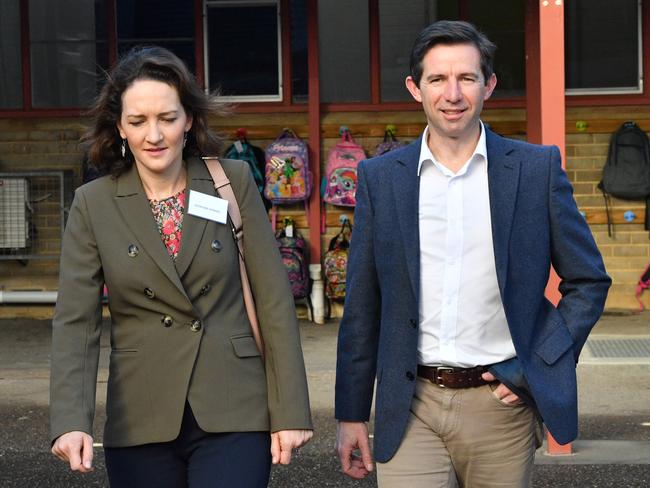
(447, 377)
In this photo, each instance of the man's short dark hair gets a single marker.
(450, 32)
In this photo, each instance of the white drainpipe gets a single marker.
(28, 296)
(317, 294)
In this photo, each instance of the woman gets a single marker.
(190, 399)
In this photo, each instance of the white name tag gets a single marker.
(208, 207)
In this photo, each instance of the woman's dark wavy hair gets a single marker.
(103, 140)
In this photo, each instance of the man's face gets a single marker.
(452, 90)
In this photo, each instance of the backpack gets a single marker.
(626, 174)
(286, 173)
(292, 248)
(335, 263)
(341, 171)
(244, 151)
(644, 283)
(389, 143)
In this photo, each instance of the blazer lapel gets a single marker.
(406, 190)
(198, 179)
(132, 202)
(503, 182)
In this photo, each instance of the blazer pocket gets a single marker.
(555, 344)
(244, 346)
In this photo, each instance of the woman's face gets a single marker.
(154, 123)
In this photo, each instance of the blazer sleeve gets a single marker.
(288, 396)
(576, 259)
(76, 327)
(359, 330)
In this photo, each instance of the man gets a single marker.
(454, 238)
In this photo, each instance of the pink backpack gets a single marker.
(341, 171)
(644, 283)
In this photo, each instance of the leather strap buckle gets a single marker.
(439, 380)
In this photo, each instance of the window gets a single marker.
(244, 49)
(66, 51)
(603, 46)
(399, 24)
(11, 72)
(344, 47)
(506, 30)
(169, 24)
(299, 68)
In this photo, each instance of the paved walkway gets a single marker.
(613, 449)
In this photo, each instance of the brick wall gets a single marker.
(51, 144)
(627, 251)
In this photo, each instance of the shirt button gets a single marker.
(195, 325)
(133, 250)
(205, 289)
(216, 245)
(410, 376)
(149, 293)
(414, 323)
(167, 320)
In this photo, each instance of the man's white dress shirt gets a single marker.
(462, 321)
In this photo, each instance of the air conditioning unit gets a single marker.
(14, 213)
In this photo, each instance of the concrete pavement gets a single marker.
(613, 449)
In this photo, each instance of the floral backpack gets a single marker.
(335, 263)
(292, 248)
(287, 178)
(341, 171)
(389, 143)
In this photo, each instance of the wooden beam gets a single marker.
(199, 35)
(314, 130)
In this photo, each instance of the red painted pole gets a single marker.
(545, 106)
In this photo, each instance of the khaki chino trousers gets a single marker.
(465, 437)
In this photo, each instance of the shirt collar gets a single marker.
(426, 155)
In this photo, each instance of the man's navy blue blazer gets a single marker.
(535, 224)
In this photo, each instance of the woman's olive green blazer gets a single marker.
(179, 330)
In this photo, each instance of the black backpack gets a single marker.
(626, 174)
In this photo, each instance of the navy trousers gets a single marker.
(195, 459)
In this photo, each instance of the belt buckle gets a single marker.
(438, 378)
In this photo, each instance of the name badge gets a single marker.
(208, 207)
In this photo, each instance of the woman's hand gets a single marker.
(283, 441)
(76, 448)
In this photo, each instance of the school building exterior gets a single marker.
(314, 66)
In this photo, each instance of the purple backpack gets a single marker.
(389, 143)
(293, 253)
(287, 178)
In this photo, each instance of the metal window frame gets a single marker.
(60, 176)
(623, 90)
(277, 97)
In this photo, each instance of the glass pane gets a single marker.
(601, 43)
(11, 72)
(169, 24)
(299, 69)
(399, 24)
(506, 30)
(344, 51)
(243, 50)
(64, 51)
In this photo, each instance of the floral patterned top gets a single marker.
(168, 214)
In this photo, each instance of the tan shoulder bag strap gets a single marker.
(224, 189)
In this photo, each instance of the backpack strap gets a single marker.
(608, 211)
(224, 189)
